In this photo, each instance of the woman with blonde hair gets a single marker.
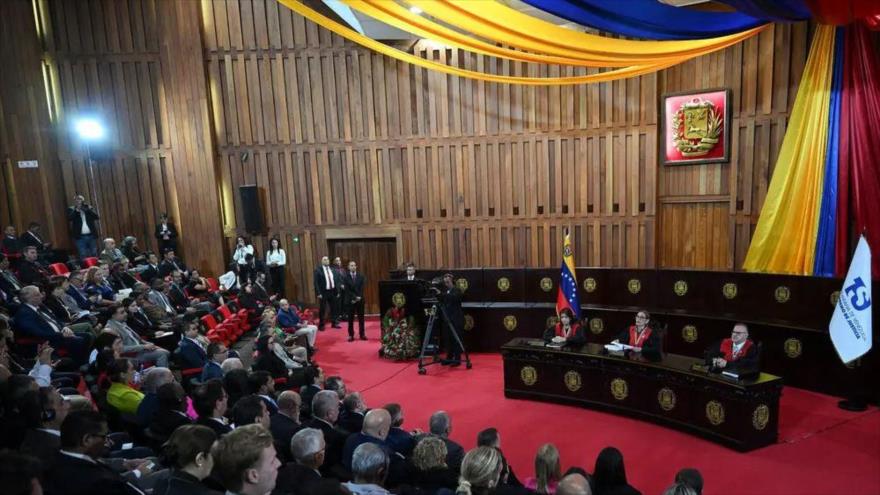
(480, 471)
(430, 472)
(548, 470)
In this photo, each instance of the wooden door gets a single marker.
(374, 258)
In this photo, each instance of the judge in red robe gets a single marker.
(567, 329)
(735, 353)
(640, 336)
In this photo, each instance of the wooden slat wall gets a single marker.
(471, 173)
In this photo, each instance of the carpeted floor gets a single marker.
(822, 449)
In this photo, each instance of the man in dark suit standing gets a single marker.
(30, 272)
(354, 299)
(81, 219)
(166, 234)
(76, 469)
(326, 284)
(450, 299)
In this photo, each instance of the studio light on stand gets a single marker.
(91, 131)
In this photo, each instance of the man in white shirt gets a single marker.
(82, 218)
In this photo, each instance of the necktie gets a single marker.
(51, 321)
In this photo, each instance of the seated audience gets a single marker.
(250, 409)
(679, 489)
(11, 244)
(325, 412)
(152, 380)
(480, 472)
(289, 319)
(692, 478)
(172, 411)
(303, 474)
(120, 278)
(567, 331)
(246, 462)
(30, 271)
(737, 353)
(65, 309)
(574, 484)
(640, 336)
(77, 290)
(375, 429)
(210, 402)
(402, 441)
(122, 396)
(170, 263)
(429, 472)
(42, 438)
(191, 353)
(131, 251)
(33, 237)
(230, 364)
(351, 417)
(110, 254)
(548, 471)
(10, 285)
(134, 345)
(33, 320)
(237, 385)
(151, 271)
(76, 470)
(369, 470)
(490, 437)
(188, 451)
(312, 379)
(609, 476)
(285, 423)
(96, 283)
(216, 354)
(20, 474)
(440, 425)
(261, 384)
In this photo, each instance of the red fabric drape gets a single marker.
(859, 169)
(842, 12)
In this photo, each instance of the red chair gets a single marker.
(59, 269)
(229, 316)
(218, 332)
(213, 284)
(90, 262)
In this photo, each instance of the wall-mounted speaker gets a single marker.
(251, 208)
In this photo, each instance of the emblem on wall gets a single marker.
(634, 286)
(619, 388)
(792, 347)
(503, 284)
(510, 323)
(589, 284)
(760, 417)
(680, 288)
(573, 381)
(468, 323)
(715, 412)
(666, 399)
(782, 294)
(689, 334)
(546, 284)
(696, 126)
(462, 284)
(528, 375)
(597, 325)
(729, 290)
(398, 300)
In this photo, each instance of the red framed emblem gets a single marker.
(696, 127)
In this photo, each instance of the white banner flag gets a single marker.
(850, 325)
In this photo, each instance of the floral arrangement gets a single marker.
(400, 336)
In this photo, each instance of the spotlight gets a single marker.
(415, 10)
(89, 129)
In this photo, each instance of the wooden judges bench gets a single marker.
(789, 315)
(740, 414)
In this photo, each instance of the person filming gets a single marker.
(450, 301)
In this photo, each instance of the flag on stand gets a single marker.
(567, 297)
(850, 326)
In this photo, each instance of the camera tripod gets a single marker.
(429, 331)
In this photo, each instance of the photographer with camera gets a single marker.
(82, 217)
(449, 297)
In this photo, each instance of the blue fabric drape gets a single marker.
(823, 264)
(648, 18)
(771, 10)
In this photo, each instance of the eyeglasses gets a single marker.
(739, 332)
(641, 317)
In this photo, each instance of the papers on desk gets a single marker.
(618, 347)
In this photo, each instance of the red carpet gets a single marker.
(822, 449)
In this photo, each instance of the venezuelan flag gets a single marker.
(567, 297)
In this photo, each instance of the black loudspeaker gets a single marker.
(251, 208)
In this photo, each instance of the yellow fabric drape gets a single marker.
(372, 44)
(495, 21)
(785, 237)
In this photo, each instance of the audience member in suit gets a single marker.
(325, 412)
(133, 344)
(737, 353)
(33, 237)
(158, 295)
(77, 290)
(171, 262)
(120, 278)
(640, 336)
(153, 379)
(190, 352)
(450, 299)
(285, 423)
(172, 410)
(250, 409)
(43, 440)
(217, 353)
(429, 472)
(301, 477)
(376, 425)
(189, 453)
(110, 253)
(440, 425)
(181, 301)
(11, 244)
(131, 251)
(326, 283)
(609, 477)
(30, 272)
(152, 269)
(262, 384)
(76, 469)
(33, 320)
(138, 318)
(351, 418)
(491, 438)
(9, 283)
(353, 284)
(210, 402)
(402, 441)
(166, 234)
(260, 291)
(312, 377)
(248, 270)
(81, 219)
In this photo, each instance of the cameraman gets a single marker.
(450, 301)
(82, 218)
